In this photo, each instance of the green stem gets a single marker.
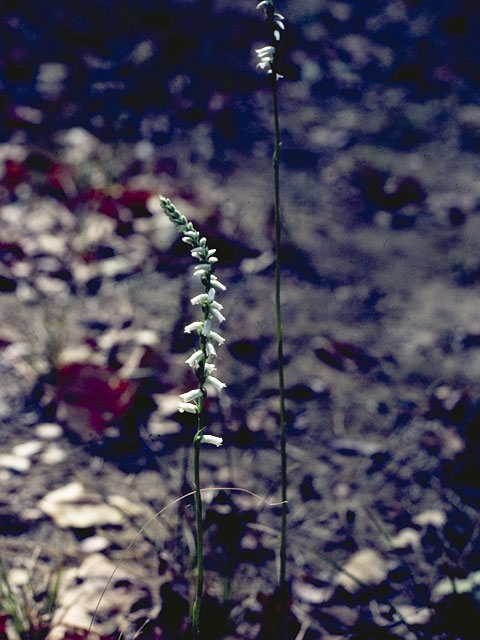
(199, 520)
(278, 316)
(197, 443)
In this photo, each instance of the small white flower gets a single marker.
(265, 64)
(207, 327)
(215, 282)
(216, 313)
(201, 270)
(187, 407)
(262, 4)
(187, 240)
(217, 337)
(265, 51)
(211, 294)
(209, 368)
(215, 382)
(211, 252)
(212, 260)
(215, 440)
(210, 349)
(200, 299)
(193, 326)
(195, 251)
(194, 359)
(276, 35)
(188, 396)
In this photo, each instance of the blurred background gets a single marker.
(104, 105)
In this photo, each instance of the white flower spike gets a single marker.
(268, 55)
(192, 401)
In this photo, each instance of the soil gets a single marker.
(380, 201)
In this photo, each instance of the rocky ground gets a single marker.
(380, 199)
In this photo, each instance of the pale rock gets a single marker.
(112, 267)
(414, 615)
(51, 244)
(367, 566)
(447, 586)
(51, 286)
(19, 577)
(80, 144)
(78, 353)
(146, 337)
(434, 517)
(125, 505)
(21, 269)
(28, 449)
(94, 544)
(15, 463)
(53, 454)
(311, 593)
(100, 591)
(405, 538)
(167, 403)
(48, 430)
(73, 506)
(159, 427)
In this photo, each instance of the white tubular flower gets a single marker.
(201, 270)
(211, 294)
(217, 337)
(215, 382)
(262, 4)
(207, 327)
(200, 299)
(215, 440)
(265, 52)
(187, 407)
(194, 359)
(215, 282)
(209, 368)
(210, 349)
(276, 35)
(188, 396)
(216, 313)
(193, 326)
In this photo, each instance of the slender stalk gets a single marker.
(197, 441)
(273, 20)
(279, 328)
(197, 603)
